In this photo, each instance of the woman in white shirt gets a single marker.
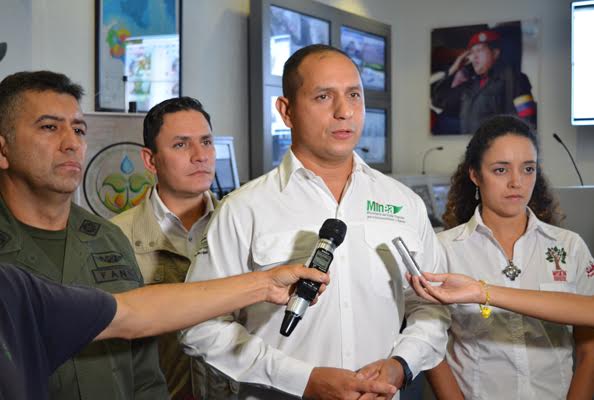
(504, 211)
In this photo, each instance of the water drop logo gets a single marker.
(116, 179)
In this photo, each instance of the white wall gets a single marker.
(215, 69)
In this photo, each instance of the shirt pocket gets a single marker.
(469, 320)
(384, 263)
(286, 247)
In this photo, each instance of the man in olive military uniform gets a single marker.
(165, 229)
(477, 86)
(42, 150)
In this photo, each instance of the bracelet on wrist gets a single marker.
(485, 309)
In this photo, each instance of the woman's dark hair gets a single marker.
(461, 197)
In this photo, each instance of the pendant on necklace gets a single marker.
(511, 271)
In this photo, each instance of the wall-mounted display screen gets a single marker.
(151, 70)
(440, 194)
(137, 53)
(226, 177)
(369, 53)
(372, 145)
(289, 32)
(582, 63)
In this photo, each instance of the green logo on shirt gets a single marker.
(373, 206)
(377, 210)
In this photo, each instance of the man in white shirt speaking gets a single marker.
(275, 219)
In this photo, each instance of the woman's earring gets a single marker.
(477, 194)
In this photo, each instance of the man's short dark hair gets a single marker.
(154, 118)
(14, 86)
(292, 81)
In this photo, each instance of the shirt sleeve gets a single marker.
(585, 268)
(224, 342)
(69, 316)
(423, 342)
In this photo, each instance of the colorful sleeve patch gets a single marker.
(590, 269)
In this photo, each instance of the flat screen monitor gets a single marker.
(290, 31)
(151, 68)
(226, 177)
(368, 51)
(372, 146)
(433, 190)
(582, 63)
(440, 195)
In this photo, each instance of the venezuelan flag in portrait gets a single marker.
(526, 108)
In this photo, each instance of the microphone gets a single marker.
(425, 157)
(331, 236)
(363, 149)
(557, 138)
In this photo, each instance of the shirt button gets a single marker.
(152, 244)
(138, 243)
(345, 304)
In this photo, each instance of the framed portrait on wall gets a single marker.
(478, 71)
(137, 53)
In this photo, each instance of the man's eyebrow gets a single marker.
(188, 137)
(76, 121)
(50, 117)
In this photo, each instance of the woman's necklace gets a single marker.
(511, 271)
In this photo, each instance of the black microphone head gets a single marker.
(439, 147)
(334, 230)
(557, 138)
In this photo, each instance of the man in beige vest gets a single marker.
(165, 229)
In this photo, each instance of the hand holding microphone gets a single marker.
(331, 236)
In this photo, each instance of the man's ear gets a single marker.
(149, 159)
(283, 107)
(4, 164)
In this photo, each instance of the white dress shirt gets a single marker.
(510, 356)
(185, 241)
(274, 220)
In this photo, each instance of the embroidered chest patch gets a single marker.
(383, 211)
(590, 269)
(557, 255)
(111, 266)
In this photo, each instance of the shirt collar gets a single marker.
(162, 211)
(475, 223)
(291, 166)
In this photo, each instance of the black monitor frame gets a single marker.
(263, 84)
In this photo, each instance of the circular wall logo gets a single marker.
(116, 180)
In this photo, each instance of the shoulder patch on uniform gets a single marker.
(4, 238)
(89, 227)
(590, 269)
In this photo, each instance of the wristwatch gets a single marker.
(408, 376)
